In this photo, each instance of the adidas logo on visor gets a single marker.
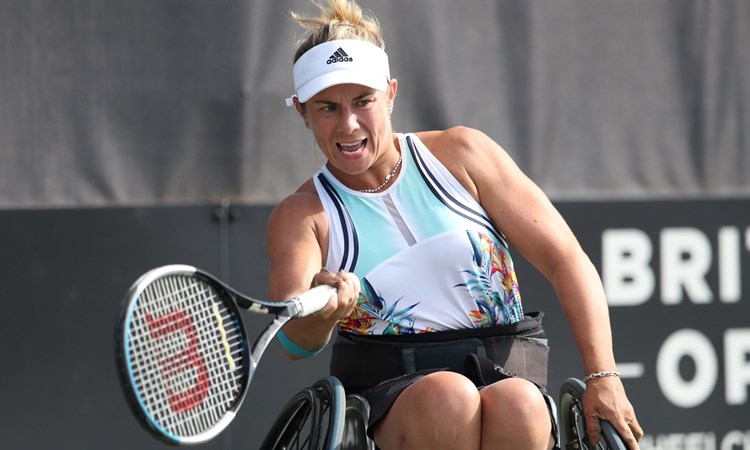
(339, 56)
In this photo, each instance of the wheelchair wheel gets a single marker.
(331, 393)
(311, 420)
(355, 431)
(573, 424)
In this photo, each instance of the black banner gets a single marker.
(677, 277)
(677, 274)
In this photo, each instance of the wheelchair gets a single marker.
(324, 417)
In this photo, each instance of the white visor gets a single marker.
(345, 61)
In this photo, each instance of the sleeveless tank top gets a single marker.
(427, 255)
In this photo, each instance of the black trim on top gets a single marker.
(442, 194)
(346, 225)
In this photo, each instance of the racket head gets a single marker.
(182, 354)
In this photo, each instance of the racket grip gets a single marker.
(314, 300)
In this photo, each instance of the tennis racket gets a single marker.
(182, 351)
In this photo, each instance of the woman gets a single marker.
(412, 230)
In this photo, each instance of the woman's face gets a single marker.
(352, 126)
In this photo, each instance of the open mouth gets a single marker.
(352, 149)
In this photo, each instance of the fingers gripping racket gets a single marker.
(182, 351)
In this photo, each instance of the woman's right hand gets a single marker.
(342, 304)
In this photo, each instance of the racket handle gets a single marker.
(314, 300)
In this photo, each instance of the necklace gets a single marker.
(387, 178)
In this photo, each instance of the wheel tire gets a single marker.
(573, 424)
(332, 398)
(297, 426)
(313, 419)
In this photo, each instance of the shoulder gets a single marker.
(467, 153)
(298, 211)
(455, 138)
(463, 146)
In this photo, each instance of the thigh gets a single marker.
(518, 414)
(439, 410)
(382, 396)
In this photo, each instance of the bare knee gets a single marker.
(515, 415)
(441, 410)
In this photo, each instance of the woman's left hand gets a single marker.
(605, 399)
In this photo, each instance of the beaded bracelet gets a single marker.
(608, 373)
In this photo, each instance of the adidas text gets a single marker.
(339, 56)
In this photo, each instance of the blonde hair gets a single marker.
(339, 19)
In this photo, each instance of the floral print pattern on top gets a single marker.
(492, 268)
(400, 319)
(489, 280)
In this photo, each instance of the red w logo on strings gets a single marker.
(177, 363)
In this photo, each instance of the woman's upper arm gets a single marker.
(516, 205)
(293, 237)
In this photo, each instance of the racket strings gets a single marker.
(224, 381)
(179, 355)
(192, 423)
(204, 418)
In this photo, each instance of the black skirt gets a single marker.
(383, 395)
(381, 367)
